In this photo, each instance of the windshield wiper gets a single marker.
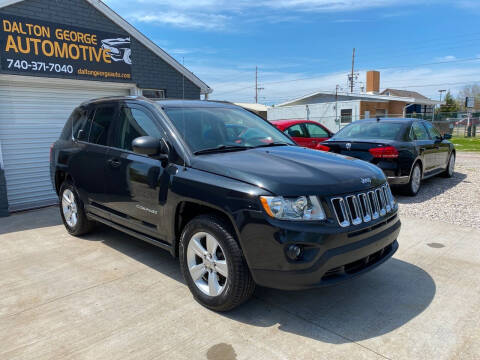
(222, 148)
(273, 144)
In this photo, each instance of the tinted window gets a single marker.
(316, 131)
(297, 131)
(371, 130)
(211, 127)
(134, 123)
(100, 125)
(419, 131)
(432, 130)
(80, 126)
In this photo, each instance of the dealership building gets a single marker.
(53, 56)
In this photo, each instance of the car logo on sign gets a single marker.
(366, 180)
(348, 146)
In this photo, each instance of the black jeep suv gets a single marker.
(224, 190)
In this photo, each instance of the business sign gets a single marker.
(469, 102)
(38, 47)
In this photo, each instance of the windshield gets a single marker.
(370, 130)
(205, 128)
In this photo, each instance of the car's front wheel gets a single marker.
(450, 167)
(213, 265)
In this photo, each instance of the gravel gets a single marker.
(455, 200)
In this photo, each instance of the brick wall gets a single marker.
(148, 70)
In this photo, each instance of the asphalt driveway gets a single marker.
(109, 296)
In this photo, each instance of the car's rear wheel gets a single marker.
(413, 186)
(450, 167)
(72, 211)
(213, 265)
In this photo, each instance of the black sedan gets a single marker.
(407, 150)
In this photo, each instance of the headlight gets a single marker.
(300, 208)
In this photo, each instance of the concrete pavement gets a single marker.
(110, 296)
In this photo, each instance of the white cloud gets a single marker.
(446, 58)
(182, 20)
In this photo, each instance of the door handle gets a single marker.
(114, 162)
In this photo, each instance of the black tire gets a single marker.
(239, 286)
(412, 188)
(82, 225)
(448, 173)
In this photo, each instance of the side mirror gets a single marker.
(447, 136)
(150, 146)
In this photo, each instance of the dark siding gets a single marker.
(148, 70)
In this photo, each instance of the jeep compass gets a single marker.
(224, 190)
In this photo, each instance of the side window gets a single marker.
(432, 130)
(316, 131)
(80, 126)
(101, 122)
(134, 123)
(420, 132)
(296, 130)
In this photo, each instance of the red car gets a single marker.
(305, 133)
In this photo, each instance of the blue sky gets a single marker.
(301, 46)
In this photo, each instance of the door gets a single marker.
(299, 134)
(137, 184)
(88, 163)
(441, 146)
(32, 116)
(425, 146)
(316, 133)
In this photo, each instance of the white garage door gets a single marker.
(31, 119)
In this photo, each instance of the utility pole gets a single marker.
(257, 89)
(353, 66)
(336, 107)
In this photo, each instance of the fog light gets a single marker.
(294, 252)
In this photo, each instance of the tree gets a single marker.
(451, 104)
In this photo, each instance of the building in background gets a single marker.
(335, 110)
(54, 55)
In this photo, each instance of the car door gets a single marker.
(299, 134)
(441, 146)
(87, 164)
(425, 146)
(137, 184)
(316, 134)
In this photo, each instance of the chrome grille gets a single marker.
(363, 207)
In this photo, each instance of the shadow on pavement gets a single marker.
(430, 188)
(31, 219)
(369, 306)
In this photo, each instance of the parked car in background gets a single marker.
(225, 191)
(407, 150)
(305, 133)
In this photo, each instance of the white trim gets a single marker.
(70, 82)
(117, 19)
(365, 97)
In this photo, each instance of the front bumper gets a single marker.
(331, 255)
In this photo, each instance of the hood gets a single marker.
(292, 170)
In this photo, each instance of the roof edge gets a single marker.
(121, 22)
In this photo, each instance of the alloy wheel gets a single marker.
(451, 165)
(207, 264)
(69, 208)
(416, 178)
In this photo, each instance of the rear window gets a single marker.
(371, 130)
(76, 126)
